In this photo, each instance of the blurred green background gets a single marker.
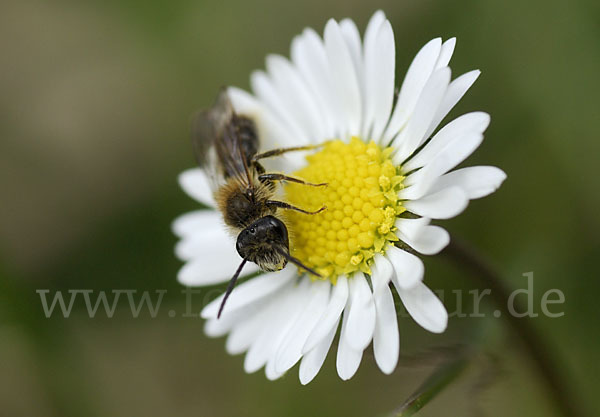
(95, 104)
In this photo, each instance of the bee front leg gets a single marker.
(281, 177)
(281, 151)
(283, 205)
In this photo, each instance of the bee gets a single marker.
(226, 146)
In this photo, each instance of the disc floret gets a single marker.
(362, 207)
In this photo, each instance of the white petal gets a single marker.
(419, 183)
(421, 236)
(380, 61)
(245, 332)
(312, 361)
(411, 227)
(196, 245)
(290, 350)
(222, 326)
(384, 58)
(416, 77)
(456, 90)
(264, 89)
(368, 99)
(413, 135)
(476, 182)
(373, 26)
(281, 314)
(302, 297)
(446, 53)
(352, 38)
(386, 339)
(443, 204)
(269, 128)
(431, 240)
(424, 307)
(370, 39)
(215, 264)
(408, 269)
(249, 292)
(344, 79)
(211, 270)
(218, 328)
(196, 184)
(337, 302)
(381, 273)
(467, 124)
(348, 359)
(195, 222)
(260, 349)
(294, 92)
(309, 56)
(270, 372)
(361, 313)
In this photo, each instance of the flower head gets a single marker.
(388, 170)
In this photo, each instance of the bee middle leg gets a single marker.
(287, 206)
(281, 151)
(282, 177)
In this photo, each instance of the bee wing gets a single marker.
(216, 143)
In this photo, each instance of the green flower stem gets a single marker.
(538, 350)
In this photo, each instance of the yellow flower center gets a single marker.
(362, 207)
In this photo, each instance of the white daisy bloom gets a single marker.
(389, 174)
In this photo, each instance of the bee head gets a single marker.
(265, 242)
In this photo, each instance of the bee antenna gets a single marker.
(230, 287)
(297, 262)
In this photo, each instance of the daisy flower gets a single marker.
(388, 169)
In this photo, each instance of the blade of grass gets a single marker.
(433, 385)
